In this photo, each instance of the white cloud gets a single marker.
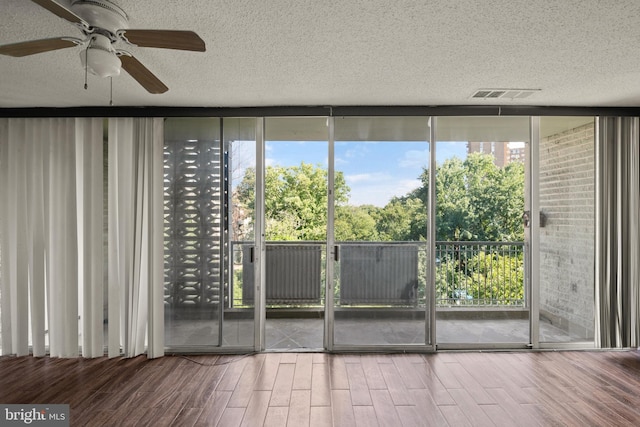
(379, 194)
(414, 159)
(355, 150)
(367, 178)
(378, 189)
(339, 161)
(407, 185)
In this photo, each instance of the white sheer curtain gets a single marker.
(52, 236)
(618, 233)
(136, 236)
(61, 233)
(40, 236)
(89, 190)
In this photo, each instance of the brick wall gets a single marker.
(567, 196)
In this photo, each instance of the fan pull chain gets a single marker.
(86, 67)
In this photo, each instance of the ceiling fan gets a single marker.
(103, 24)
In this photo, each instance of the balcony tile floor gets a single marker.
(307, 334)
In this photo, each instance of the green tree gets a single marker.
(486, 279)
(495, 198)
(475, 200)
(509, 203)
(454, 213)
(356, 223)
(497, 279)
(295, 200)
(402, 219)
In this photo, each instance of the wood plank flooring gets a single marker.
(317, 389)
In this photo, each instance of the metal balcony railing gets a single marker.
(293, 273)
(480, 274)
(470, 274)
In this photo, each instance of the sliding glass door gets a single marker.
(482, 294)
(295, 234)
(193, 230)
(209, 220)
(380, 251)
(347, 233)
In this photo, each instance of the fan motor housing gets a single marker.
(101, 14)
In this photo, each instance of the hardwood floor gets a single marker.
(317, 389)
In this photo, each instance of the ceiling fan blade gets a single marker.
(61, 11)
(142, 75)
(167, 39)
(36, 46)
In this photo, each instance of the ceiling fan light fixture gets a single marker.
(100, 62)
(99, 57)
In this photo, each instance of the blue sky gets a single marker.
(375, 171)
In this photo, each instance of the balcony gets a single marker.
(487, 275)
(379, 295)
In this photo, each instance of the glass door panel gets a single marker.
(240, 170)
(567, 229)
(295, 212)
(209, 216)
(380, 231)
(193, 232)
(481, 292)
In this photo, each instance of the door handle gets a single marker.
(336, 253)
(526, 219)
(251, 254)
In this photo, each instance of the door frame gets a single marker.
(532, 233)
(260, 313)
(329, 309)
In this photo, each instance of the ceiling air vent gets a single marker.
(503, 93)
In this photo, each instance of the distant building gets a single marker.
(503, 152)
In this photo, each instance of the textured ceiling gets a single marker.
(348, 52)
